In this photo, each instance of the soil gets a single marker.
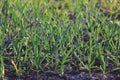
(73, 75)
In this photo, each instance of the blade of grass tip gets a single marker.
(91, 53)
(5, 10)
(103, 63)
(2, 37)
(64, 60)
(2, 69)
(62, 66)
(15, 66)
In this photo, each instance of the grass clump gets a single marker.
(57, 36)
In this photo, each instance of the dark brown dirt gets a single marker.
(73, 75)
